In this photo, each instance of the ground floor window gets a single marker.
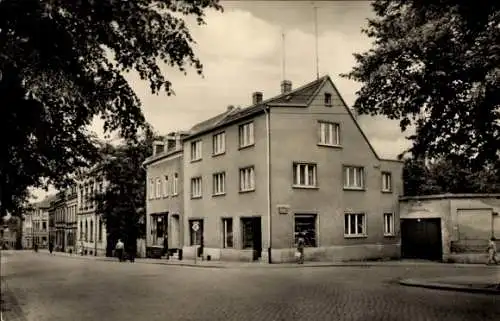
(196, 232)
(355, 224)
(388, 224)
(227, 232)
(305, 225)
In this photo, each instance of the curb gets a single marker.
(448, 287)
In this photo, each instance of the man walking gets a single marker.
(492, 252)
(119, 249)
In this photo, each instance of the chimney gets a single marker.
(230, 107)
(256, 98)
(178, 141)
(286, 86)
(158, 147)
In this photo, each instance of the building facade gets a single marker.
(70, 220)
(164, 204)
(449, 227)
(56, 221)
(90, 225)
(27, 226)
(40, 222)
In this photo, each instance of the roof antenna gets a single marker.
(283, 62)
(316, 39)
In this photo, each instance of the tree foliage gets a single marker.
(447, 175)
(436, 65)
(62, 64)
(123, 202)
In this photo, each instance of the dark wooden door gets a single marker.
(421, 239)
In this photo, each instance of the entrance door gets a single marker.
(174, 237)
(421, 239)
(252, 235)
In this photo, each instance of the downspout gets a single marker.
(268, 163)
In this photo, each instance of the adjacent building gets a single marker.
(70, 221)
(36, 224)
(255, 178)
(57, 213)
(165, 202)
(90, 225)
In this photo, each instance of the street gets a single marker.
(62, 288)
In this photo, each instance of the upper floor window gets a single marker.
(158, 187)
(151, 188)
(196, 188)
(386, 182)
(175, 183)
(247, 179)
(328, 99)
(246, 134)
(354, 177)
(219, 143)
(304, 175)
(165, 186)
(329, 133)
(196, 149)
(219, 183)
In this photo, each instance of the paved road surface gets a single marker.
(60, 288)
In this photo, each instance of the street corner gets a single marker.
(479, 284)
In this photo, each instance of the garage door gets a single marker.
(421, 239)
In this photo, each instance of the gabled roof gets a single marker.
(302, 95)
(211, 122)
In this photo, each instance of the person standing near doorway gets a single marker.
(300, 247)
(119, 249)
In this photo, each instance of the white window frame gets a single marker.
(175, 184)
(389, 223)
(196, 150)
(247, 179)
(350, 233)
(158, 187)
(151, 189)
(219, 183)
(219, 143)
(297, 177)
(196, 187)
(386, 182)
(359, 172)
(329, 133)
(246, 134)
(225, 221)
(165, 186)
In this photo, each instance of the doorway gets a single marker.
(175, 240)
(252, 235)
(421, 239)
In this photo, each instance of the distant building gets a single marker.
(10, 232)
(256, 178)
(36, 224)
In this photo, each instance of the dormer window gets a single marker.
(328, 99)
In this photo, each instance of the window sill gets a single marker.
(305, 187)
(219, 154)
(386, 191)
(356, 189)
(196, 197)
(218, 194)
(246, 146)
(389, 235)
(175, 195)
(328, 105)
(247, 191)
(196, 160)
(330, 146)
(358, 236)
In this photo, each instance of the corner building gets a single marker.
(298, 163)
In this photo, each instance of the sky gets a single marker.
(242, 52)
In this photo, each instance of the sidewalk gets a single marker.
(486, 284)
(237, 265)
(9, 307)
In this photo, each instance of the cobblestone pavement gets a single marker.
(57, 288)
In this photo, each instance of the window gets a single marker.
(388, 224)
(86, 231)
(246, 135)
(175, 182)
(151, 188)
(227, 233)
(328, 99)
(196, 237)
(354, 225)
(196, 148)
(219, 183)
(196, 190)
(304, 175)
(219, 143)
(100, 230)
(165, 186)
(305, 226)
(91, 231)
(247, 179)
(386, 182)
(354, 177)
(81, 230)
(158, 187)
(44, 226)
(329, 133)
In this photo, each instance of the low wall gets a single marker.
(466, 258)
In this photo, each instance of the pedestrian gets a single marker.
(492, 251)
(81, 248)
(36, 247)
(119, 249)
(165, 246)
(51, 247)
(300, 248)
